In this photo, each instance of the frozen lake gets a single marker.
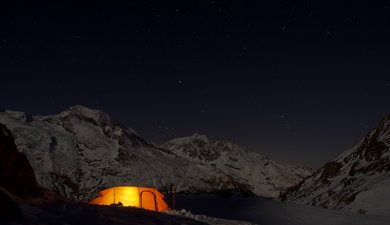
(265, 211)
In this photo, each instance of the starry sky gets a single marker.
(298, 81)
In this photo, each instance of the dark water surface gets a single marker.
(265, 211)
(237, 207)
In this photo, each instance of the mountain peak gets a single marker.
(385, 123)
(197, 136)
(100, 117)
(82, 109)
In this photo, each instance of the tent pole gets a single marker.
(114, 196)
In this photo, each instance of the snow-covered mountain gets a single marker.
(81, 151)
(300, 171)
(357, 180)
(257, 173)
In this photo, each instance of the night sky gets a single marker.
(298, 81)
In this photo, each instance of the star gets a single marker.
(283, 116)
(180, 82)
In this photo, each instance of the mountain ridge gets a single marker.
(355, 180)
(80, 151)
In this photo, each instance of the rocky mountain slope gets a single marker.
(357, 180)
(16, 174)
(81, 151)
(259, 174)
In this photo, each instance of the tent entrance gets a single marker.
(148, 200)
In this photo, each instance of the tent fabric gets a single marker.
(141, 197)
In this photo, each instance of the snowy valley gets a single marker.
(81, 151)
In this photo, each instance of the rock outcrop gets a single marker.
(16, 174)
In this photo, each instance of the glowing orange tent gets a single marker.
(141, 197)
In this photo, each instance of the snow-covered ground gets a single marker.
(235, 211)
(80, 214)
